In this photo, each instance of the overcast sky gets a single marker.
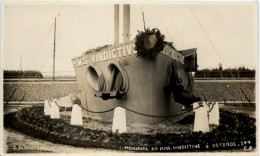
(28, 30)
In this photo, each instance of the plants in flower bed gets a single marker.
(235, 127)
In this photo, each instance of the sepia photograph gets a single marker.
(129, 77)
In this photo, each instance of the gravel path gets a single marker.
(20, 143)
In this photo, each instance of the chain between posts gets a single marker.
(211, 107)
(139, 113)
(48, 102)
(247, 98)
(98, 111)
(143, 114)
(57, 104)
(208, 104)
(11, 96)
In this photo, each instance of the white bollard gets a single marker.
(5, 140)
(201, 122)
(196, 104)
(119, 120)
(214, 115)
(76, 115)
(55, 110)
(47, 107)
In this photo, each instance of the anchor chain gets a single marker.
(139, 113)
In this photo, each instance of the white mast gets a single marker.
(126, 23)
(53, 74)
(116, 24)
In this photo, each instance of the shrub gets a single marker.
(14, 74)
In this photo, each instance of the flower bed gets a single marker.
(235, 128)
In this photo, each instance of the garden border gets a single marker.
(117, 141)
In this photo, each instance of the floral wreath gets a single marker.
(143, 41)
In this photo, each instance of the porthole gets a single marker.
(92, 78)
(117, 78)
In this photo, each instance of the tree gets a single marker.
(220, 68)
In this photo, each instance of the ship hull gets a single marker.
(144, 83)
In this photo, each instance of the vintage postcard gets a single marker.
(130, 77)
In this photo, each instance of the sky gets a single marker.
(225, 32)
